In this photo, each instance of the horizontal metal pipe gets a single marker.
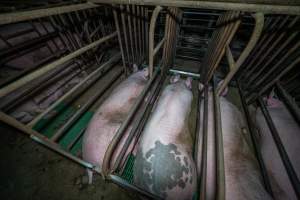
(26, 79)
(34, 14)
(191, 74)
(266, 8)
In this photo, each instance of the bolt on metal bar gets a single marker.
(283, 154)
(26, 79)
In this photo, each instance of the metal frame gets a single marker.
(292, 9)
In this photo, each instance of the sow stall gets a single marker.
(252, 46)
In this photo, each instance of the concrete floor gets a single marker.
(30, 171)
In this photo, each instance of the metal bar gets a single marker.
(284, 156)
(138, 123)
(130, 34)
(83, 108)
(254, 96)
(110, 149)
(123, 183)
(219, 148)
(290, 102)
(135, 33)
(265, 8)
(76, 90)
(125, 36)
(159, 45)
(41, 139)
(139, 31)
(259, 23)
(204, 146)
(189, 74)
(26, 79)
(267, 52)
(30, 15)
(120, 40)
(151, 38)
(255, 143)
(277, 65)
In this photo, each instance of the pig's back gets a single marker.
(163, 163)
(109, 117)
(242, 176)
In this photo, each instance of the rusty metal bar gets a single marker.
(283, 154)
(26, 79)
(259, 19)
(258, 6)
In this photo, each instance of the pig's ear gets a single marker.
(188, 82)
(175, 78)
(135, 68)
(225, 91)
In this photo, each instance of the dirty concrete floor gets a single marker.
(30, 171)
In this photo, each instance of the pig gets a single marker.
(242, 176)
(288, 130)
(164, 165)
(109, 117)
